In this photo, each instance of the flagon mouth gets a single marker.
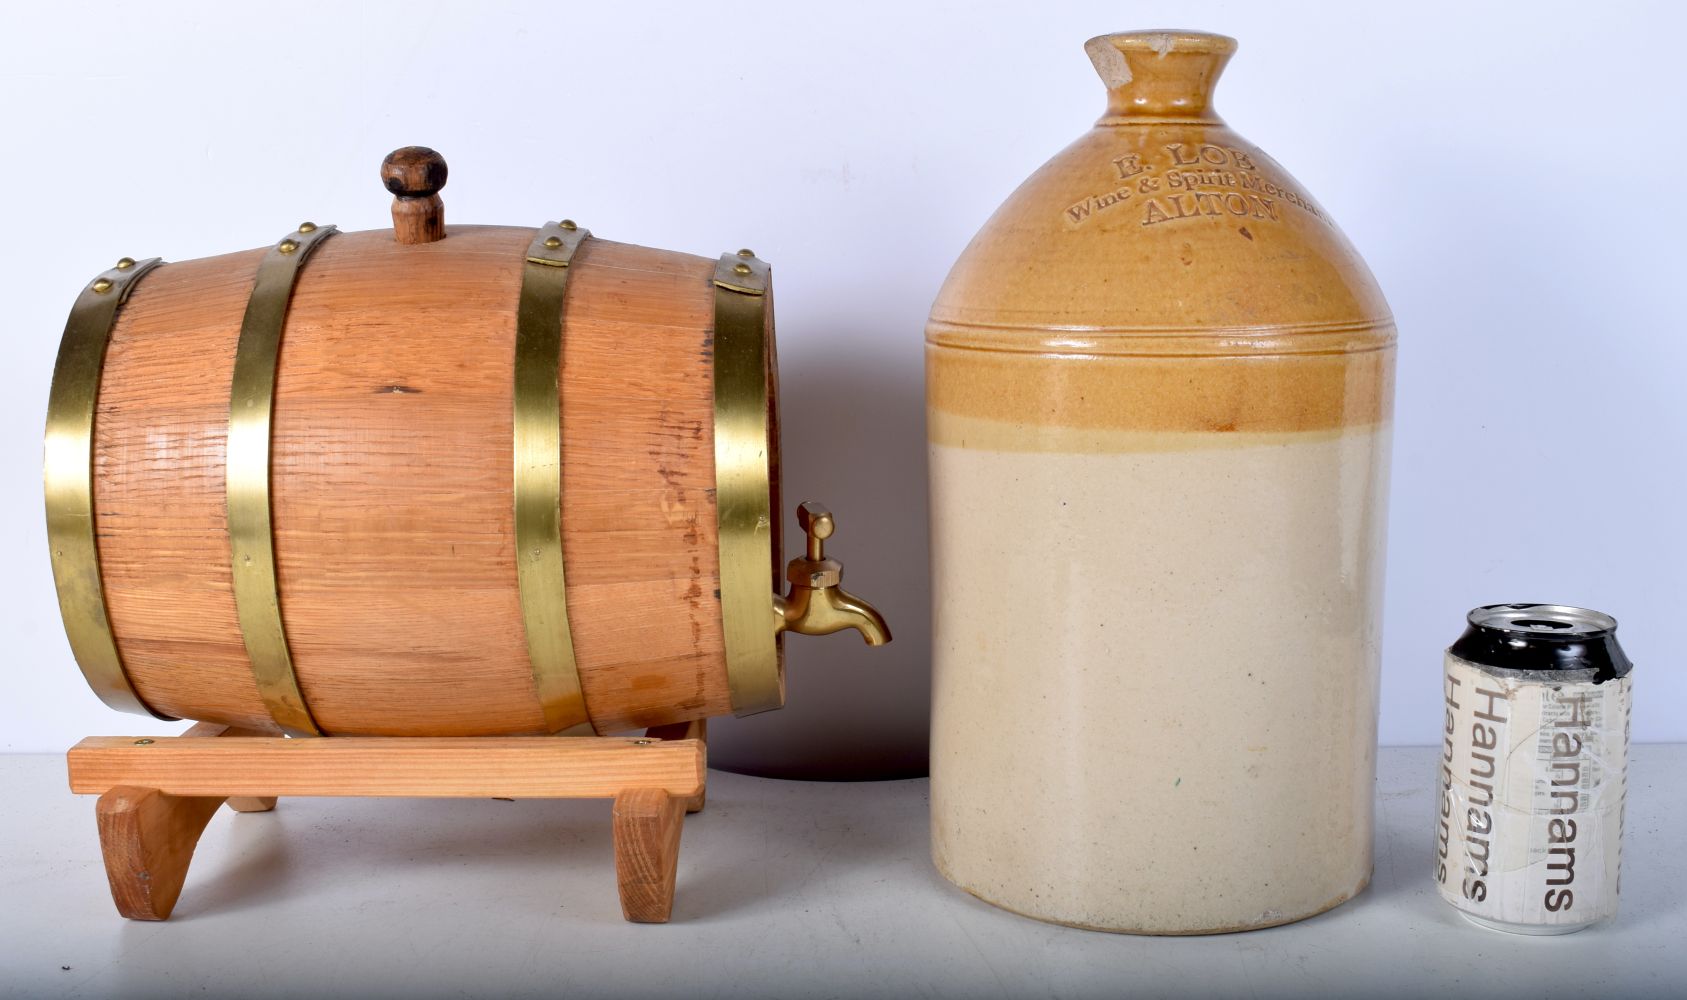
(1159, 73)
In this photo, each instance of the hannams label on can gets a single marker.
(1533, 776)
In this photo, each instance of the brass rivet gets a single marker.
(142, 743)
(568, 224)
(746, 253)
(307, 227)
(124, 263)
(552, 242)
(102, 285)
(288, 246)
(740, 269)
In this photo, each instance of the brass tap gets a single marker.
(817, 604)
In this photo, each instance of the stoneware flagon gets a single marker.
(432, 481)
(1159, 385)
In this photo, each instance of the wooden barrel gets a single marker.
(457, 481)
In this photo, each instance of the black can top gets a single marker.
(1543, 637)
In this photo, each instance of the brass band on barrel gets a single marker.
(743, 485)
(257, 599)
(69, 481)
(538, 477)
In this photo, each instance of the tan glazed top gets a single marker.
(1160, 233)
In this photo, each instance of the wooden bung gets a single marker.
(414, 175)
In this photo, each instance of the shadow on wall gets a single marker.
(853, 439)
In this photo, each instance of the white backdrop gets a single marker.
(1510, 172)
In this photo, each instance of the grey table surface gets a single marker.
(786, 889)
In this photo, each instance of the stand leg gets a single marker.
(697, 729)
(147, 838)
(647, 824)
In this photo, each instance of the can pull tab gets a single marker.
(817, 604)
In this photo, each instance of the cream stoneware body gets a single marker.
(1159, 385)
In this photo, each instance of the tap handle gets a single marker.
(817, 522)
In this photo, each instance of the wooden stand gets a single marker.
(157, 794)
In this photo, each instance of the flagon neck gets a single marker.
(1159, 75)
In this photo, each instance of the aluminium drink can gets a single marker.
(1533, 772)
